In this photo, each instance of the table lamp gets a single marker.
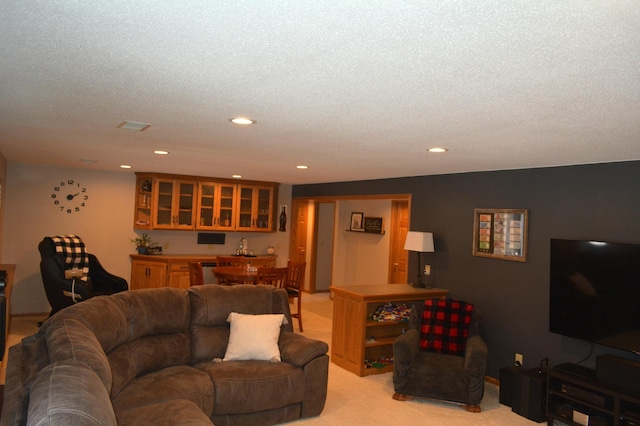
(420, 242)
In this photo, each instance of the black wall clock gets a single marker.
(69, 196)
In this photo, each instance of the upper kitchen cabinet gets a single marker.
(256, 208)
(175, 204)
(216, 206)
(182, 202)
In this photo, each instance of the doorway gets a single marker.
(318, 224)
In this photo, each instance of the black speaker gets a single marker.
(622, 372)
(506, 385)
(529, 394)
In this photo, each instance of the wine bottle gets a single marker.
(283, 219)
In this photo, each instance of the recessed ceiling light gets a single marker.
(236, 176)
(135, 126)
(436, 149)
(125, 166)
(161, 152)
(302, 167)
(242, 120)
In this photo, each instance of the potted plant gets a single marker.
(143, 243)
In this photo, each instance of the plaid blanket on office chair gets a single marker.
(74, 252)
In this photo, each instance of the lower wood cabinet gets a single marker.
(149, 271)
(146, 274)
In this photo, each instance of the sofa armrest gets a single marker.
(475, 365)
(405, 349)
(69, 392)
(299, 350)
(475, 355)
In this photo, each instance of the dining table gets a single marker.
(235, 274)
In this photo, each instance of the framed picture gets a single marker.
(373, 225)
(500, 234)
(356, 221)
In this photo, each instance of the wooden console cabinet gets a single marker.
(352, 306)
(577, 389)
(149, 271)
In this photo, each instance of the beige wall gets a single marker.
(360, 258)
(105, 225)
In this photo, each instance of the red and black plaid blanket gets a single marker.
(74, 252)
(445, 326)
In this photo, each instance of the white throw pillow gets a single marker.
(254, 337)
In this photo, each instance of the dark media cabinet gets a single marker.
(576, 397)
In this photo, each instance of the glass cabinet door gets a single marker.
(184, 211)
(174, 205)
(207, 195)
(164, 205)
(264, 208)
(246, 208)
(255, 211)
(215, 206)
(226, 206)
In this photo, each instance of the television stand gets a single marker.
(574, 400)
(576, 370)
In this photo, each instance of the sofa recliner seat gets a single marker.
(156, 354)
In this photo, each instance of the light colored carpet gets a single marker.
(353, 400)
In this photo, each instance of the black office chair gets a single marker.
(71, 275)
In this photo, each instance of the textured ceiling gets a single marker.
(355, 89)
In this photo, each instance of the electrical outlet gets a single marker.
(519, 359)
(427, 270)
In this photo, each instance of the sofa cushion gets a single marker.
(254, 337)
(211, 306)
(252, 386)
(50, 404)
(445, 326)
(179, 382)
(178, 412)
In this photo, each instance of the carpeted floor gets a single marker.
(353, 400)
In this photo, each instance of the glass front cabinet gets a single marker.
(175, 202)
(216, 206)
(256, 209)
(206, 204)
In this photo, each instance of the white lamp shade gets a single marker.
(419, 241)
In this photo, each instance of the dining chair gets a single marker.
(196, 275)
(295, 285)
(276, 277)
(231, 261)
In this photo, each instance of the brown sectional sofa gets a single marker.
(153, 357)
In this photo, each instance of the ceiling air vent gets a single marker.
(134, 126)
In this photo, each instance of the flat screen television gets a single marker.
(595, 292)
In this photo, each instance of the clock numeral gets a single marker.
(77, 209)
(83, 189)
(56, 202)
(57, 188)
(69, 210)
(86, 197)
(53, 195)
(70, 181)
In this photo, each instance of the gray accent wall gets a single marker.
(600, 202)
